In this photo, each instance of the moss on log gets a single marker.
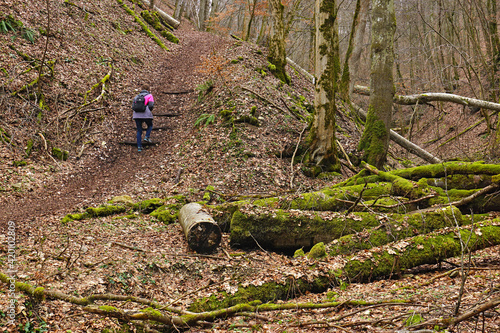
(143, 25)
(461, 181)
(332, 199)
(472, 173)
(148, 206)
(267, 292)
(481, 204)
(165, 210)
(288, 230)
(397, 229)
(154, 20)
(448, 168)
(105, 210)
(432, 248)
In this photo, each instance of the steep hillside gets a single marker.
(236, 130)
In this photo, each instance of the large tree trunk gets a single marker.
(277, 46)
(375, 139)
(201, 231)
(327, 67)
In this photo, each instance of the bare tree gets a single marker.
(327, 69)
(375, 140)
(277, 49)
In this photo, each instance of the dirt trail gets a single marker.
(119, 167)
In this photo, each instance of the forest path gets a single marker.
(118, 168)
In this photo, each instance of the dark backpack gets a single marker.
(139, 104)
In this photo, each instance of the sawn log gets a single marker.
(202, 232)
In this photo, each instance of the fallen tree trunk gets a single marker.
(447, 169)
(289, 230)
(467, 186)
(433, 248)
(434, 97)
(169, 19)
(393, 230)
(157, 313)
(202, 232)
(381, 262)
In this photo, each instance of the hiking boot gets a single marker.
(147, 140)
(139, 149)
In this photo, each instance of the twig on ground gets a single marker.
(135, 248)
(293, 156)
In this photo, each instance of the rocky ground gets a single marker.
(196, 80)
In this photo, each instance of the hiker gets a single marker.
(143, 107)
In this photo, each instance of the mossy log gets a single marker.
(382, 197)
(155, 22)
(143, 25)
(391, 230)
(459, 174)
(174, 318)
(376, 196)
(448, 168)
(169, 19)
(165, 210)
(289, 230)
(401, 186)
(432, 248)
(202, 232)
(462, 181)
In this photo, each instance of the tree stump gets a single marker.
(202, 232)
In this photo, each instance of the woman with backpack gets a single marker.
(143, 107)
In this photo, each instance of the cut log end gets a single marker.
(202, 232)
(204, 237)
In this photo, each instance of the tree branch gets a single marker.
(410, 146)
(426, 98)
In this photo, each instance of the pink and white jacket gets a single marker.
(148, 114)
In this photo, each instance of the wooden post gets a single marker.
(202, 232)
